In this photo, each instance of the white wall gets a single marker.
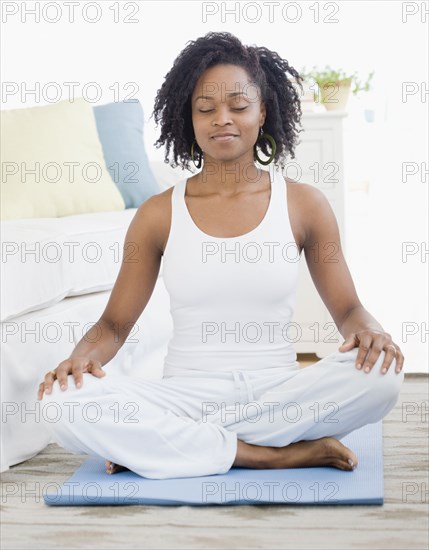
(367, 36)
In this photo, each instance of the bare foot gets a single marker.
(112, 468)
(326, 451)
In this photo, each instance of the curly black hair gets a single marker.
(265, 68)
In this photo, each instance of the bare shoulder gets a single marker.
(307, 206)
(154, 217)
(303, 195)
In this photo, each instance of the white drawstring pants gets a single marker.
(187, 425)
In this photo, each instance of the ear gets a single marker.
(263, 114)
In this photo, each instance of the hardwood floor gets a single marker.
(401, 523)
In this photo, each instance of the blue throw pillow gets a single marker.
(120, 128)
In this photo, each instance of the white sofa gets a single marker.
(57, 274)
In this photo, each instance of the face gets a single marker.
(225, 102)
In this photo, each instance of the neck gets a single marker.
(229, 175)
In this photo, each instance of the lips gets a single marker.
(227, 136)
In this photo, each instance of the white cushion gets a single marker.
(46, 259)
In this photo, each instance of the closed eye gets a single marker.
(210, 110)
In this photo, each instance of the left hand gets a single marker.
(371, 343)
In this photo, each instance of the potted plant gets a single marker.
(334, 86)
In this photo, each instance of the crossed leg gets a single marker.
(167, 435)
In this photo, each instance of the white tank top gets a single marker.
(231, 298)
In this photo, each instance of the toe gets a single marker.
(347, 455)
(339, 454)
(352, 459)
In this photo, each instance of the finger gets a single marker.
(364, 347)
(77, 372)
(87, 366)
(97, 368)
(49, 380)
(40, 391)
(348, 344)
(399, 361)
(62, 372)
(372, 357)
(390, 353)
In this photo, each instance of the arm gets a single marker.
(333, 281)
(139, 271)
(326, 262)
(132, 289)
(131, 292)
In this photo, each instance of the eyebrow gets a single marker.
(230, 94)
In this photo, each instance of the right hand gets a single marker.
(75, 366)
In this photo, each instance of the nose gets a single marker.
(221, 117)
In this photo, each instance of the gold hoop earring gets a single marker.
(200, 156)
(272, 141)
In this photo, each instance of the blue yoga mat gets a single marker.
(91, 485)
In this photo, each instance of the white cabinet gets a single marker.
(319, 162)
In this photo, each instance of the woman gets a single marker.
(232, 392)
